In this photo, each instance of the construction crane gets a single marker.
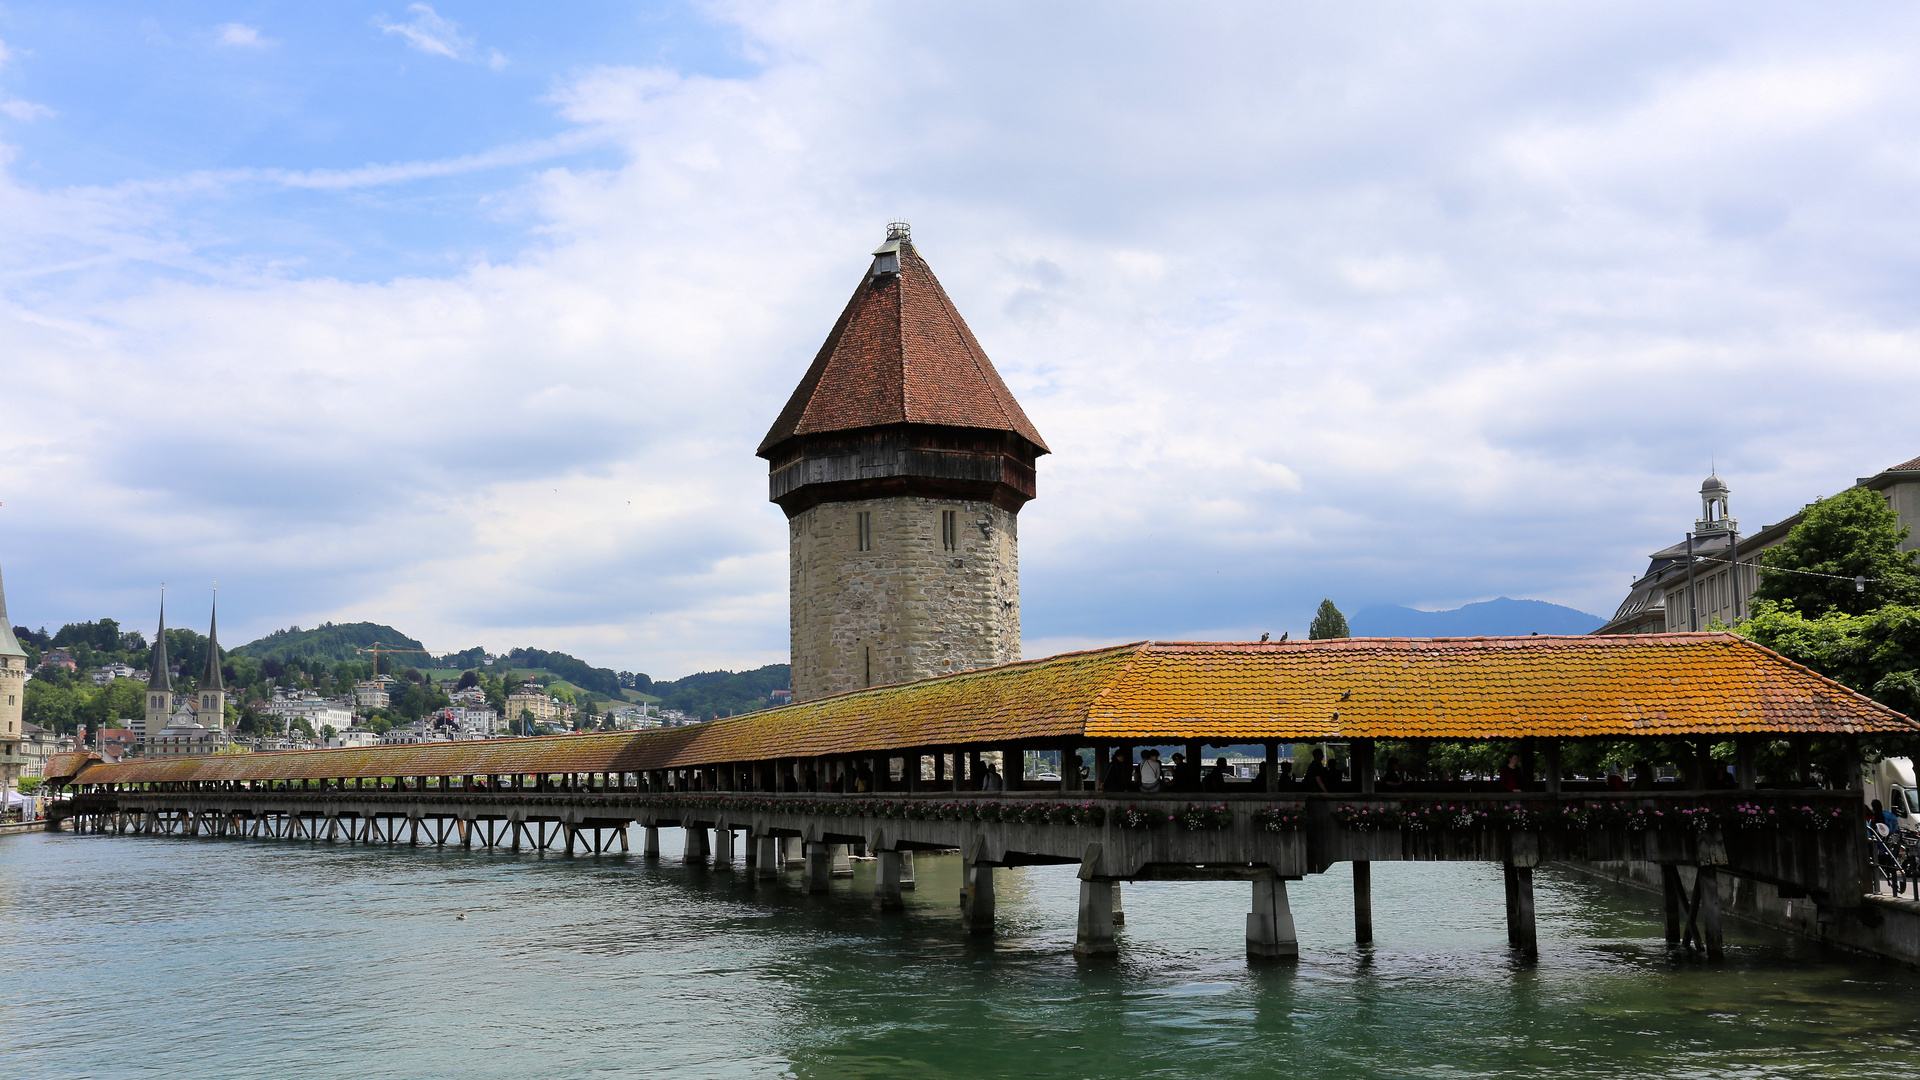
(376, 649)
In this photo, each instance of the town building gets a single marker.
(534, 698)
(13, 695)
(317, 711)
(59, 658)
(373, 694)
(1692, 585)
(101, 676)
(37, 744)
(902, 461)
(116, 743)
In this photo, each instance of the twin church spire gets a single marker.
(211, 695)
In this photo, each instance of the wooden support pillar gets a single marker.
(1270, 931)
(1362, 754)
(1746, 775)
(1520, 930)
(767, 860)
(1069, 781)
(1013, 767)
(906, 871)
(722, 846)
(650, 843)
(1196, 751)
(1119, 909)
(1362, 902)
(572, 835)
(819, 868)
(1273, 767)
(623, 839)
(1706, 904)
(886, 881)
(1550, 750)
(1095, 934)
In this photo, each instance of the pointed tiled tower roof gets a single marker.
(160, 678)
(9, 645)
(901, 401)
(210, 679)
(900, 354)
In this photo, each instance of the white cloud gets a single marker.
(431, 33)
(1306, 307)
(242, 36)
(14, 107)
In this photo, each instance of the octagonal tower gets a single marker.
(902, 462)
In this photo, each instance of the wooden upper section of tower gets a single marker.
(901, 400)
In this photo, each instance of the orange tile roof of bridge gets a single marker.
(1659, 685)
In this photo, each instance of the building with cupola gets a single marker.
(901, 461)
(1696, 585)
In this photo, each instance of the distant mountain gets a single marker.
(1489, 618)
(328, 642)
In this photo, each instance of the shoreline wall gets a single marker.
(1882, 926)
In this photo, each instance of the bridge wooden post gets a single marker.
(722, 845)
(1270, 930)
(1674, 901)
(1520, 928)
(819, 867)
(1362, 902)
(1706, 906)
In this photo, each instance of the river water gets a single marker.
(205, 959)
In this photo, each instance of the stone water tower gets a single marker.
(902, 462)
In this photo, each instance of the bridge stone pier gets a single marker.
(941, 766)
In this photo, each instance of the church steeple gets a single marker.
(210, 679)
(159, 684)
(160, 678)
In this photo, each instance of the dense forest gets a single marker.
(328, 643)
(723, 693)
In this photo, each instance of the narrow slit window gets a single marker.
(950, 530)
(864, 522)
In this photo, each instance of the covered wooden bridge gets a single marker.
(937, 764)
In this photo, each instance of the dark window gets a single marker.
(950, 530)
(864, 520)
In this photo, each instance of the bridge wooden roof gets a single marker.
(1661, 685)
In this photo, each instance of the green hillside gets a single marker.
(329, 643)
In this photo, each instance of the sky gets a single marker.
(467, 317)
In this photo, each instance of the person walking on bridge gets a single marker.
(1151, 774)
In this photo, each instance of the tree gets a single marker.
(1853, 534)
(1328, 623)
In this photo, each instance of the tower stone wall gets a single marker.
(908, 607)
(13, 699)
